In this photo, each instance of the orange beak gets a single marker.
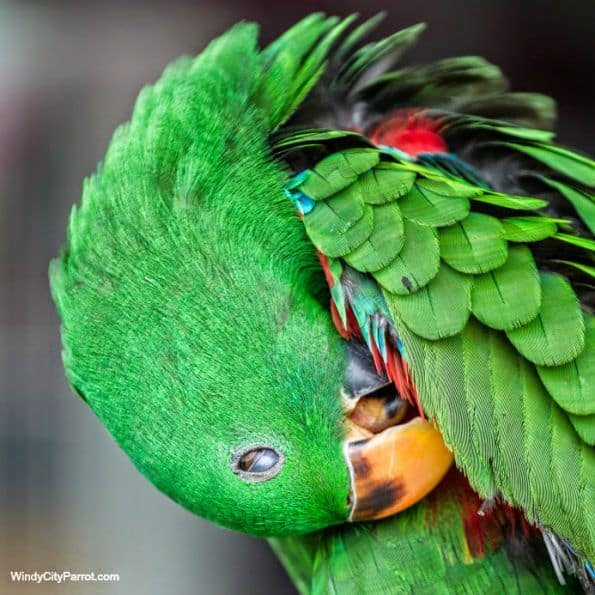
(395, 468)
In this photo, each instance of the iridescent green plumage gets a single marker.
(193, 320)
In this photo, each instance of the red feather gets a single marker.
(410, 131)
(327, 272)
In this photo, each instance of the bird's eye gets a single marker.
(257, 463)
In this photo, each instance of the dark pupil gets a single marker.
(258, 460)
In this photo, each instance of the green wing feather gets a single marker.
(556, 335)
(384, 243)
(573, 384)
(474, 245)
(439, 309)
(582, 201)
(577, 167)
(412, 269)
(529, 229)
(509, 296)
(433, 204)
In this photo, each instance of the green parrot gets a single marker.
(346, 305)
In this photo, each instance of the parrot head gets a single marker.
(196, 322)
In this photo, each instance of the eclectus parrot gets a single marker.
(448, 388)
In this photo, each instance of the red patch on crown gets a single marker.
(410, 131)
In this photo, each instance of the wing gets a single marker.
(499, 349)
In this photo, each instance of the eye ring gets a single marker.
(257, 462)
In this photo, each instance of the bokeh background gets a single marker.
(69, 73)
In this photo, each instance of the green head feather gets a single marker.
(190, 300)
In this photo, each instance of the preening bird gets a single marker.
(310, 288)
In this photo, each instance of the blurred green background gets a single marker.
(69, 73)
